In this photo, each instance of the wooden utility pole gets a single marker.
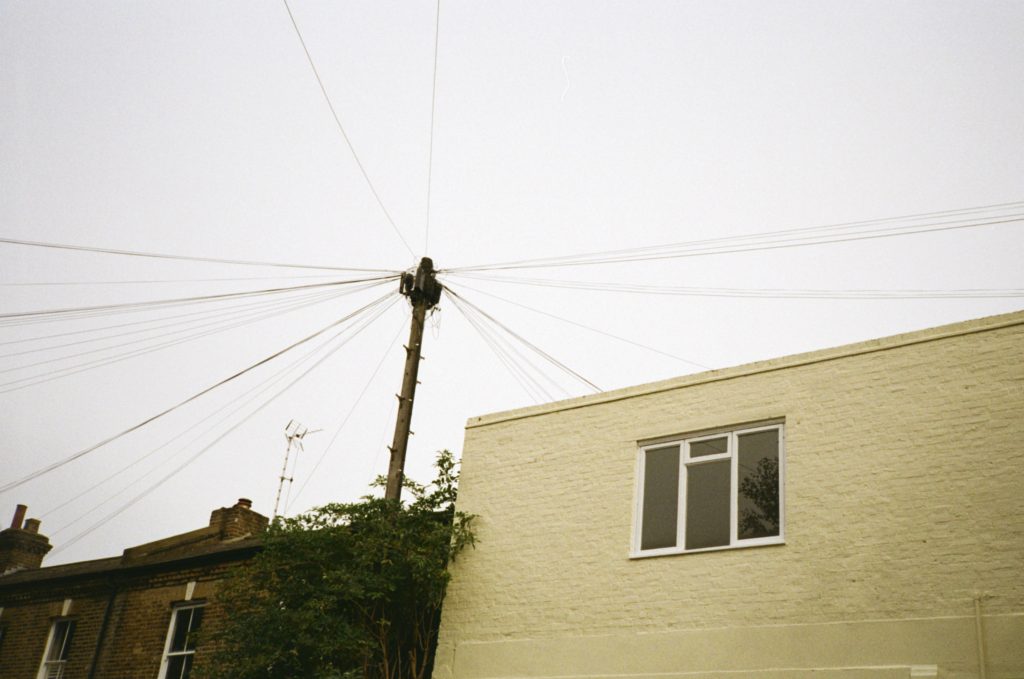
(423, 292)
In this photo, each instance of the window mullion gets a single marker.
(733, 487)
(781, 433)
(681, 493)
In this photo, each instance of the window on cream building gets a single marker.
(716, 490)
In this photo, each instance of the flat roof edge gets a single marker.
(941, 332)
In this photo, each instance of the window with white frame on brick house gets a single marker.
(710, 491)
(180, 647)
(58, 648)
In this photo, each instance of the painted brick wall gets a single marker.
(903, 493)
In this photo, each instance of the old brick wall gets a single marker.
(137, 627)
(142, 618)
(904, 469)
(27, 621)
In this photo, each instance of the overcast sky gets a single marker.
(198, 128)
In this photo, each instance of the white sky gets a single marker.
(197, 128)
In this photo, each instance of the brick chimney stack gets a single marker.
(239, 521)
(21, 545)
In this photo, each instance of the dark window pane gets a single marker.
(709, 447)
(179, 666)
(181, 620)
(196, 621)
(69, 635)
(661, 498)
(707, 504)
(63, 632)
(758, 485)
(57, 643)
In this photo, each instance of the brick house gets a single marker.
(127, 617)
(852, 513)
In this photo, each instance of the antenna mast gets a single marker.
(293, 434)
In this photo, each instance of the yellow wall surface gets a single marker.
(904, 504)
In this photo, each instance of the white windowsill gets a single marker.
(671, 551)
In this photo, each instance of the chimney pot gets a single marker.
(244, 502)
(19, 516)
(32, 525)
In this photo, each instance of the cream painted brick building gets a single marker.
(901, 541)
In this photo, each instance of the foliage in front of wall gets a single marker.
(345, 590)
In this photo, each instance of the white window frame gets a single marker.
(60, 665)
(168, 654)
(685, 461)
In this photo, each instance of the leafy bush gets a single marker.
(345, 590)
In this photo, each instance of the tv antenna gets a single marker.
(294, 433)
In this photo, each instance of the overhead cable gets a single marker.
(373, 316)
(791, 238)
(14, 318)
(187, 258)
(548, 357)
(255, 390)
(503, 340)
(344, 420)
(147, 281)
(59, 373)
(221, 312)
(218, 325)
(760, 293)
(533, 389)
(585, 327)
(249, 395)
(433, 108)
(85, 451)
(148, 321)
(341, 128)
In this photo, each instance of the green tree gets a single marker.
(345, 590)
